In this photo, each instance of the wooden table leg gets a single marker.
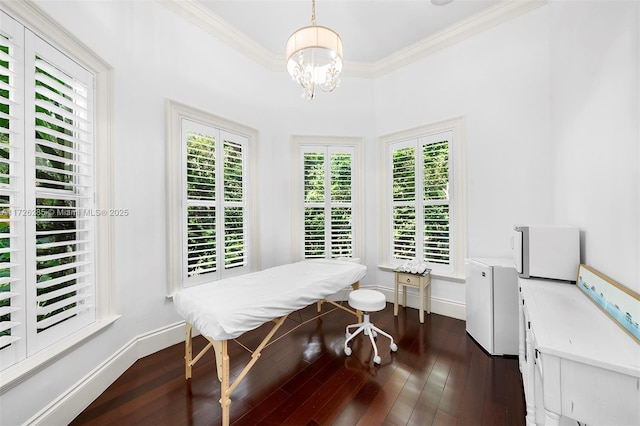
(429, 296)
(421, 303)
(404, 296)
(222, 358)
(395, 300)
(188, 352)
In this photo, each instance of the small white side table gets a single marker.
(419, 281)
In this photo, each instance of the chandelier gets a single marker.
(314, 57)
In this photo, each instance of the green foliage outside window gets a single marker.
(404, 215)
(5, 228)
(315, 198)
(5, 259)
(314, 241)
(56, 222)
(201, 214)
(436, 192)
(202, 219)
(435, 203)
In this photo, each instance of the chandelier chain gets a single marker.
(313, 12)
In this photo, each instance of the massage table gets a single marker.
(223, 310)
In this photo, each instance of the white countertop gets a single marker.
(571, 326)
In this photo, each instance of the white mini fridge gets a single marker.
(492, 304)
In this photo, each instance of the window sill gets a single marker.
(456, 278)
(22, 370)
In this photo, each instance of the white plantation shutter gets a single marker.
(59, 175)
(12, 281)
(421, 200)
(404, 207)
(234, 201)
(201, 249)
(314, 209)
(341, 204)
(47, 258)
(215, 217)
(437, 233)
(328, 201)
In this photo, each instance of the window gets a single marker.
(208, 165)
(329, 220)
(424, 208)
(53, 272)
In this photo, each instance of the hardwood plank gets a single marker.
(306, 374)
(407, 400)
(473, 395)
(333, 382)
(385, 399)
(444, 419)
(263, 409)
(339, 399)
(427, 403)
(363, 398)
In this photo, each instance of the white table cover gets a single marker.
(227, 308)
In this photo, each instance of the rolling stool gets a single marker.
(367, 301)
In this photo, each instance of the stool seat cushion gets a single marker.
(367, 300)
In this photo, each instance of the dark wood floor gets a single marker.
(438, 376)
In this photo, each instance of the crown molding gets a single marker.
(467, 28)
(199, 15)
(30, 14)
(196, 13)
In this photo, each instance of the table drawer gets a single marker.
(408, 279)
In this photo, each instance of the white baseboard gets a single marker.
(449, 308)
(71, 403)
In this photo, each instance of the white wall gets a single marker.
(348, 111)
(498, 81)
(511, 83)
(594, 84)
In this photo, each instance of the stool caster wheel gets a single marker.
(347, 351)
(377, 360)
(393, 347)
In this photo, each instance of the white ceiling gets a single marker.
(379, 36)
(371, 30)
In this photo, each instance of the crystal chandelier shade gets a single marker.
(314, 57)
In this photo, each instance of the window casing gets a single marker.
(424, 198)
(328, 188)
(54, 258)
(211, 223)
